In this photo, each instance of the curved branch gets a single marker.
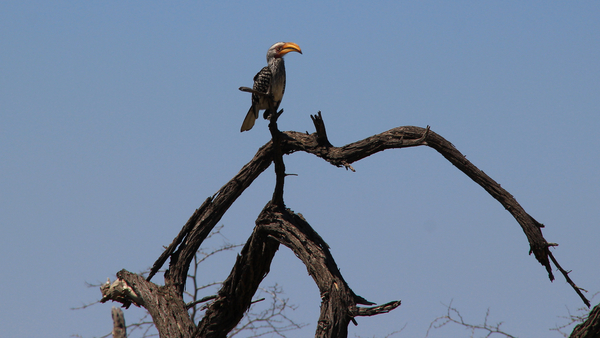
(532, 228)
(401, 137)
(187, 242)
(410, 136)
(235, 296)
(293, 231)
(279, 225)
(180, 236)
(339, 302)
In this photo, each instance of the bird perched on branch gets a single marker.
(270, 81)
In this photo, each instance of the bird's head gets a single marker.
(281, 48)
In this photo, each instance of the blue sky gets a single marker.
(117, 119)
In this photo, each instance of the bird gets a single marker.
(271, 81)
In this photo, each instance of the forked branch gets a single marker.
(276, 224)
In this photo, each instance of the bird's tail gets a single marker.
(250, 119)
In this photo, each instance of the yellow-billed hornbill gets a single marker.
(271, 81)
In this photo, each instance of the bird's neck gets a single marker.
(277, 65)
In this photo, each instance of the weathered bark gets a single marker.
(338, 301)
(409, 136)
(119, 327)
(235, 296)
(203, 221)
(164, 304)
(278, 225)
(590, 328)
(275, 225)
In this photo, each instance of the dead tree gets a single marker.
(277, 225)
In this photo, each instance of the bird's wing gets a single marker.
(262, 83)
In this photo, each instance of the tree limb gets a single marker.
(338, 301)
(375, 310)
(276, 224)
(410, 136)
(235, 296)
(206, 217)
(164, 304)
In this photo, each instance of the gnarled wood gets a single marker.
(235, 296)
(164, 303)
(409, 136)
(185, 245)
(338, 301)
(276, 224)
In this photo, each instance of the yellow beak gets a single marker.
(289, 47)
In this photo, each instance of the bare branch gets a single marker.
(322, 139)
(375, 310)
(184, 232)
(201, 300)
(401, 137)
(119, 328)
(276, 224)
(235, 296)
(570, 281)
(164, 304)
(277, 158)
(410, 136)
(338, 301)
(454, 317)
(120, 292)
(206, 217)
